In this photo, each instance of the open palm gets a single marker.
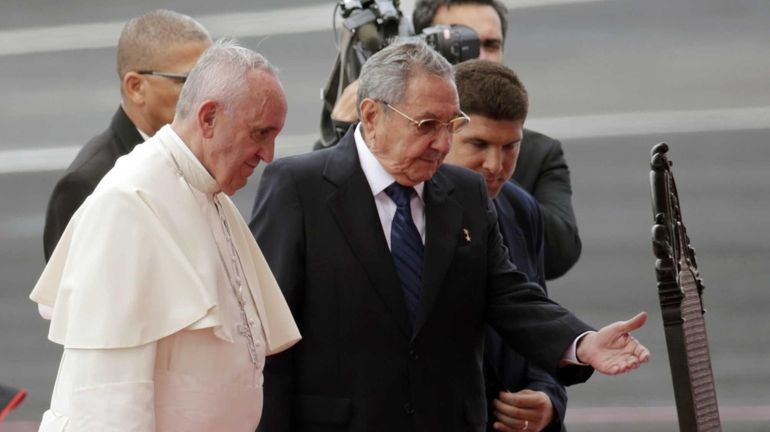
(612, 350)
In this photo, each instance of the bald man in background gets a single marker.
(156, 51)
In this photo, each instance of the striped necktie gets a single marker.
(406, 247)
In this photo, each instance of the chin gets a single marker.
(423, 176)
(238, 186)
(247, 171)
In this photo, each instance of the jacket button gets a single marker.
(413, 355)
(408, 408)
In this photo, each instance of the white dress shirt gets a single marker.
(379, 179)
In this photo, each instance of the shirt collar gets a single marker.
(189, 166)
(375, 173)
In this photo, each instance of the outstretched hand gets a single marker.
(612, 350)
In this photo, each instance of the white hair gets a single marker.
(385, 75)
(219, 75)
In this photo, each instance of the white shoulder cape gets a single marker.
(137, 262)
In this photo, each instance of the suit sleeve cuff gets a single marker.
(570, 355)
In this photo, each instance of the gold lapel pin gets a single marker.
(467, 235)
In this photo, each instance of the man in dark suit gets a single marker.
(497, 103)
(392, 264)
(155, 52)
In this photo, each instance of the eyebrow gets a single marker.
(432, 116)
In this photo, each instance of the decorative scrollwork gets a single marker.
(680, 290)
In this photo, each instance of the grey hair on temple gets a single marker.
(219, 75)
(385, 75)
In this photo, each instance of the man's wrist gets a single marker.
(570, 356)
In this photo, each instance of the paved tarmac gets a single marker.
(610, 78)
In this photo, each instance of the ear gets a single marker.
(206, 116)
(371, 110)
(134, 86)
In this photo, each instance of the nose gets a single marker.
(493, 161)
(442, 141)
(268, 152)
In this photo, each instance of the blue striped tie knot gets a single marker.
(406, 247)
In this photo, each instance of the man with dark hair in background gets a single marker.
(542, 170)
(497, 103)
(155, 52)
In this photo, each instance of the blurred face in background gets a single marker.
(162, 92)
(150, 97)
(483, 19)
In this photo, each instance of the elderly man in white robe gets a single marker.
(158, 292)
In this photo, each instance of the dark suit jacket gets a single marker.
(91, 164)
(521, 225)
(542, 171)
(360, 365)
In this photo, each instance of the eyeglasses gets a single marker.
(431, 126)
(178, 77)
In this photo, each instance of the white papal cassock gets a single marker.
(145, 286)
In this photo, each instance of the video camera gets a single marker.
(369, 26)
(376, 23)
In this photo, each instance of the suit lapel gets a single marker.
(514, 238)
(353, 207)
(443, 227)
(505, 213)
